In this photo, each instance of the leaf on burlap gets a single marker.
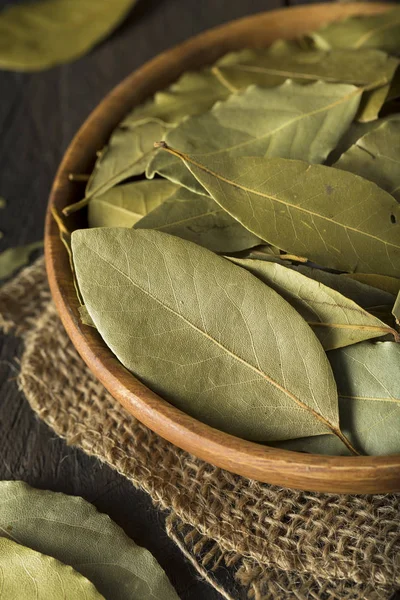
(37, 35)
(380, 31)
(223, 328)
(336, 320)
(31, 575)
(127, 154)
(124, 205)
(2, 202)
(333, 217)
(381, 282)
(72, 531)
(13, 259)
(376, 157)
(368, 380)
(198, 219)
(293, 121)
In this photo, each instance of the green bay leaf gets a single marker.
(31, 575)
(333, 217)
(34, 576)
(336, 320)
(380, 31)
(396, 309)
(37, 35)
(292, 121)
(381, 282)
(285, 60)
(127, 154)
(368, 380)
(75, 533)
(376, 157)
(239, 356)
(124, 205)
(198, 219)
(13, 259)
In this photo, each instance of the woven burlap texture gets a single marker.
(281, 543)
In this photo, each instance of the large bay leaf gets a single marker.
(72, 531)
(127, 154)
(373, 31)
(205, 334)
(336, 320)
(368, 380)
(37, 35)
(124, 205)
(29, 575)
(381, 282)
(376, 157)
(198, 219)
(292, 121)
(333, 217)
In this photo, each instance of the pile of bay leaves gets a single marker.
(251, 278)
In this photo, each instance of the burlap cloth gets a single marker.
(279, 544)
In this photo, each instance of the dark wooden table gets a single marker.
(39, 114)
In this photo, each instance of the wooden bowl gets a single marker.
(275, 466)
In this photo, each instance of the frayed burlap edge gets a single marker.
(283, 543)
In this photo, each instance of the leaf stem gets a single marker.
(345, 441)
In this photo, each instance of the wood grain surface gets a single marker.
(39, 114)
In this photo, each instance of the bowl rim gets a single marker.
(267, 464)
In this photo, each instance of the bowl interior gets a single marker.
(280, 467)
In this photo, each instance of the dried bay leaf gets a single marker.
(378, 302)
(30, 575)
(224, 330)
(364, 68)
(368, 380)
(355, 132)
(13, 259)
(37, 35)
(201, 220)
(336, 320)
(376, 157)
(366, 31)
(193, 93)
(293, 121)
(333, 217)
(318, 444)
(127, 154)
(75, 533)
(381, 282)
(396, 309)
(124, 205)
(367, 376)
